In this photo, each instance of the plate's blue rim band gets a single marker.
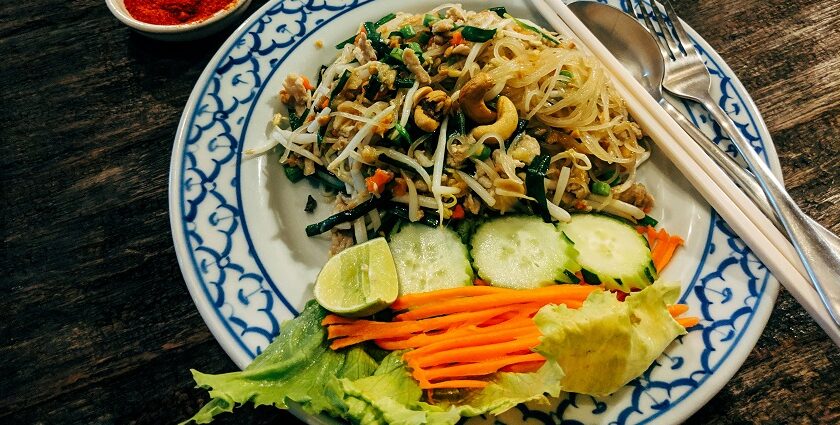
(185, 232)
(242, 135)
(252, 21)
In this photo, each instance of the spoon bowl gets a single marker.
(627, 40)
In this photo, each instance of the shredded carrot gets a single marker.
(474, 369)
(376, 183)
(523, 367)
(662, 245)
(677, 309)
(475, 354)
(413, 300)
(688, 322)
(460, 334)
(457, 38)
(325, 102)
(365, 330)
(306, 84)
(477, 337)
(557, 294)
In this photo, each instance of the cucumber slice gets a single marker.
(522, 252)
(611, 251)
(430, 258)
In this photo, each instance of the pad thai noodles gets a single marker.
(452, 113)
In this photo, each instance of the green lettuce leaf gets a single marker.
(392, 396)
(298, 366)
(606, 343)
(507, 389)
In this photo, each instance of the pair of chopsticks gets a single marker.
(739, 212)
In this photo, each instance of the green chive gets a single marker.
(567, 74)
(500, 10)
(404, 83)
(340, 85)
(383, 20)
(648, 221)
(401, 134)
(477, 34)
(424, 38)
(483, 154)
(294, 174)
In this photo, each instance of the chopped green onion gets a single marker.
(525, 25)
(294, 121)
(311, 204)
(404, 83)
(383, 20)
(416, 47)
(424, 38)
(648, 221)
(535, 176)
(429, 19)
(294, 174)
(500, 10)
(396, 53)
(477, 34)
(600, 188)
(401, 134)
(395, 34)
(483, 154)
(339, 86)
(407, 31)
(567, 74)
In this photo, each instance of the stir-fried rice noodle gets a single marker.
(405, 103)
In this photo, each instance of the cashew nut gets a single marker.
(430, 106)
(505, 124)
(472, 99)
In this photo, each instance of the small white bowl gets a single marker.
(180, 32)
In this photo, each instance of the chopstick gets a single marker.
(717, 188)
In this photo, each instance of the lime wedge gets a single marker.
(359, 281)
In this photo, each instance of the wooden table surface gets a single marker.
(97, 325)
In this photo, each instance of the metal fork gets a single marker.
(686, 76)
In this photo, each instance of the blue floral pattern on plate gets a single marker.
(731, 290)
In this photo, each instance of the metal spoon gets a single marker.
(636, 49)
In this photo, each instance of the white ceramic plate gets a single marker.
(238, 226)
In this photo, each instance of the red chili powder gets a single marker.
(173, 12)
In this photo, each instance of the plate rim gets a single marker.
(237, 351)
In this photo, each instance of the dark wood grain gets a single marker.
(97, 325)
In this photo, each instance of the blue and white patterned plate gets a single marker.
(238, 226)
